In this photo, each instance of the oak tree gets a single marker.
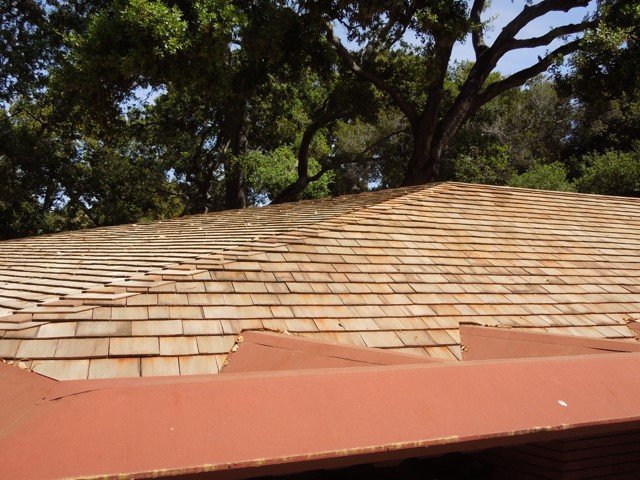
(376, 32)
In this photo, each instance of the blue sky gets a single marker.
(503, 11)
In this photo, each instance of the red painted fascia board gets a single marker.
(262, 351)
(236, 425)
(20, 392)
(483, 343)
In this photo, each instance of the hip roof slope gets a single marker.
(43, 268)
(398, 269)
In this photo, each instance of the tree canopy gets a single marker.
(117, 111)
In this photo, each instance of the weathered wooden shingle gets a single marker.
(397, 269)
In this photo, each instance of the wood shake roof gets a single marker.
(397, 269)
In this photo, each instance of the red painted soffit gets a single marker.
(484, 343)
(238, 425)
(263, 351)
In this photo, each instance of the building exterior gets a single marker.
(491, 323)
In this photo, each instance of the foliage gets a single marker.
(270, 173)
(534, 122)
(604, 85)
(30, 167)
(491, 167)
(551, 176)
(415, 77)
(611, 173)
(117, 111)
(375, 150)
(122, 184)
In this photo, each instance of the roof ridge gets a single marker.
(183, 218)
(429, 186)
(545, 191)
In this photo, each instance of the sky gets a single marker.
(503, 11)
(500, 13)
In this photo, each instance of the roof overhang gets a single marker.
(244, 424)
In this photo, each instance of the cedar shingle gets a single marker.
(129, 346)
(178, 346)
(9, 348)
(148, 328)
(103, 329)
(37, 348)
(57, 330)
(381, 339)
(198, 365)
(114, 367)
(62, 369)
(417, 338)
(82, 347)
(382, 268)
(202, 327)
(160, 366)
(215, 343)
(129, 313)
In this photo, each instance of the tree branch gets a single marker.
(323, 116)
(382, 140)
(74, 200)
(550, 36)
(465, 103)
(324, 169)
(520, 77)
(290, 192)
(477, 34)
(391, 41)
(377, 44)
(403, 104)
(428, 121)
(530, 13)
(488, 59)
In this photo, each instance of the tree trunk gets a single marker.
(203, 180)
(430, 140)
(232, 139)
(291, 192)
(234, 185)
(425, 159)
